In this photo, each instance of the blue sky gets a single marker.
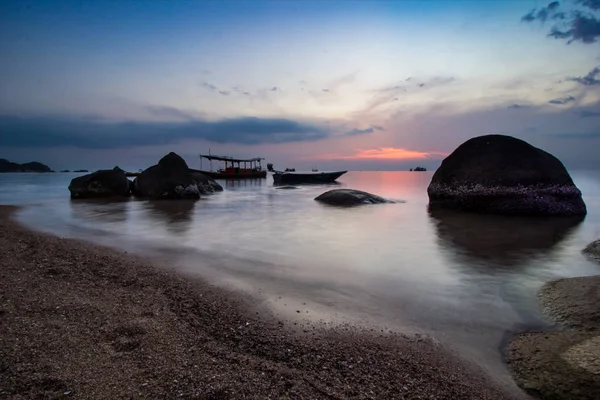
(339, 84)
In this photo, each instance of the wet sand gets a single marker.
(82, 321)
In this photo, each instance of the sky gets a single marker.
(356, 85)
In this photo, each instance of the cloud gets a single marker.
(590, 79)
(92, 133)
(517, 106)
(588, 113)
(578, 136)
(170, 112)
(209, 86)
(325, 90)
(388, 94)
(386, 153)
(593, 4)
(336, 84)
(370, 129)
(224, 92)
(562, 100)
(577, 25)
(274, 89)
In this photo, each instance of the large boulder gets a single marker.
(503, 175)
(103, 183)
(172, 179)
(349, 198)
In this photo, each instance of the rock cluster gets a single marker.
(169, 179)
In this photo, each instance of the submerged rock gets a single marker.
(349, 197)
(103, 183)
(503, 175)
(288, 187)
(172, 179)
(593, 250)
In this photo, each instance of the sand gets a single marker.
(83, 321)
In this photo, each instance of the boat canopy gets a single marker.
(230, 159)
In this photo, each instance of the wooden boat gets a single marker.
(252, 167)
(283, 177)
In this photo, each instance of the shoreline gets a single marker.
(78, 320)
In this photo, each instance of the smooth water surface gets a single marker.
(465, 279)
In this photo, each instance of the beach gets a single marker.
(82, 321)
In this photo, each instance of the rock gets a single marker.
(573, 302)
(349, 197)
(172, 179)
(593, 250)
(206, 185)
(503, 175)
(288, 187)
(556, 365)
(103, 183)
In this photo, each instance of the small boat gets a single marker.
(252, 167)
(283, 177)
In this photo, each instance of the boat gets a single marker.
(283, 177)
(252, 167)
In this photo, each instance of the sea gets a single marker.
(469, 281)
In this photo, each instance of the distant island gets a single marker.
(81, 170)
(420, 169)
(7, 166)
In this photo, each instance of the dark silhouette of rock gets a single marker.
(103, 183)
(503, 175)
(65, 170)
(81, 170)
(7, 166)
(349, 197)
(172, 179)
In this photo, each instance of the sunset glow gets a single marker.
(387, 153)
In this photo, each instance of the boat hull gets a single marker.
(234, 175)
(285, 178)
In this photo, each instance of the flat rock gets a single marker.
(349, 197)
(575, 302)
(287, 187)
(501, 174)
(557, 365)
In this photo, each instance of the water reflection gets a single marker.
(483, 241)
(233, 183)
(100, 210)
(176, 215)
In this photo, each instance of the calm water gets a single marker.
(467, 280)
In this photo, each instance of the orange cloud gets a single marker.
(386, 153)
